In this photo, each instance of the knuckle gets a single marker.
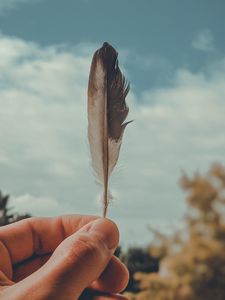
(85, 248)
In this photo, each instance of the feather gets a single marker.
(107, 111)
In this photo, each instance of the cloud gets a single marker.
(31, 204)
(43, 118)
(44, 154)
(203, 41)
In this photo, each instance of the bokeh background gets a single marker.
(173, 55)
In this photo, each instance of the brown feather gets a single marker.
(107, 111)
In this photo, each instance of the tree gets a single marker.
(193, 269)
(5, 216)
(138, 260)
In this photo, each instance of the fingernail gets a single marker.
(105, 230)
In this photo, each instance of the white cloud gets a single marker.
(44, 153)
(31, 204)
(203, 41)
(43, 119)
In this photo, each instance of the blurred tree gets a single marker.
(5, 216)
(193, 262)
(138, 260)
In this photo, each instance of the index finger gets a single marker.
(32, 236)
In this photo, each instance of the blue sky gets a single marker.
(160, 30)
(173, 54)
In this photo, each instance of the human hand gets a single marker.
(58, 258)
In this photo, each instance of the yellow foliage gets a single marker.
(196, 270)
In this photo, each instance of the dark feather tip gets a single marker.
(109, 56)
(105, 45)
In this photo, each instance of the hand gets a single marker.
(58, 258)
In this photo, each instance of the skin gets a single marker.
(63, 258)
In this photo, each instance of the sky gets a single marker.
(172, 53)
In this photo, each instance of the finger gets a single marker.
(4, 280)
(75, 264)
(28, 267)
(114, 278)
(38, 235)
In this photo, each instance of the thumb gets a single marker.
(80, 259)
